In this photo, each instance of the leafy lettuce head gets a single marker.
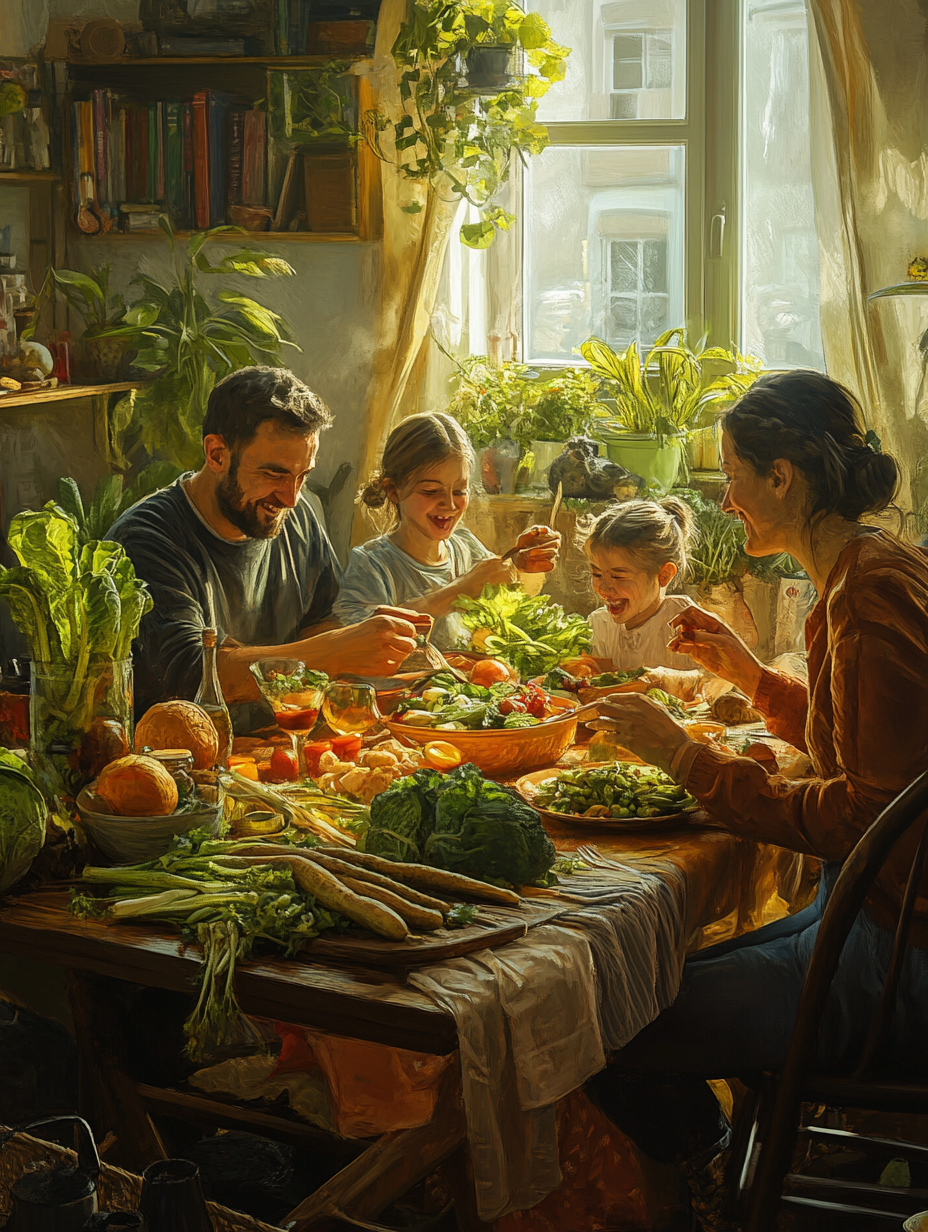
(22, 819)
(402, 816)
(487, 831)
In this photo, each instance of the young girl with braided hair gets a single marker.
(426, 561)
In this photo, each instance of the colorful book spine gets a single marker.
(236, 153)
(160, 169)
(141, 154)
(174, 161)
(201, 160)
(151, 192)
(254, 159)
(118, 154)
(283, 27)
(218, 108)
(100, 144)
(189, 214)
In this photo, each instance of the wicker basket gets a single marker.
(118, 1190)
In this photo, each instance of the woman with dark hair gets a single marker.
(801, 475)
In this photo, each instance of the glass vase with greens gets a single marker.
(461, 120)
(79, 608)
(190, 341)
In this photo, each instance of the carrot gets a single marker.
(424, 877)
(415, 917)
(323, 885)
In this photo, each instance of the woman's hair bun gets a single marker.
(875, 480)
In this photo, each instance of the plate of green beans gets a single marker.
(618, 795)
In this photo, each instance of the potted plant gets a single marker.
(661, 402)
(189, 342)
(104, 346)
(466, 106)
(518, 419)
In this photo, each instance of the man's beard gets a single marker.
(244, 515)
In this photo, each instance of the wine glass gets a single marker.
(350, 709)
(296, 703)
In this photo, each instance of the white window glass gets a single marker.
(628, 60)
(603, 248)
(780, 278)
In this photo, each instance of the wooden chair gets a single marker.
(764, 1181)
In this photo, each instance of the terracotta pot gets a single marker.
(105, 360)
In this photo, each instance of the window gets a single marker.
(677, 188)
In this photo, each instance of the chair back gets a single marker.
(853, 883)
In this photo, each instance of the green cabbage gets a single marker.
(461, 822)
(22, 819)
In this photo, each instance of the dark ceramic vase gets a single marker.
(172, 1198)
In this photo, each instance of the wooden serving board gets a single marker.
(494, 926)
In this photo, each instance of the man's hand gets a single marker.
(375, 647)
(538, 549)
(717, 648)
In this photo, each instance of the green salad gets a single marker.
(619, 790)
(449, 705)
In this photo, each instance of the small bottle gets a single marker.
(209, 697)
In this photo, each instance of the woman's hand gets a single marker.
(491, 572)
(718, 649)
(642, 726)
(538, 549)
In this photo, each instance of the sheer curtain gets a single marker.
(413, 250)
(870, 170)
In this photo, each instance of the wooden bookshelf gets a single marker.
(276, 62)
(29, 177)
(64, 393)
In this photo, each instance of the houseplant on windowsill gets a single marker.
(105, 347)
(518, 418)
(464, 113)
(661, 402)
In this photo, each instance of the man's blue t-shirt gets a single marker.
(259, 592)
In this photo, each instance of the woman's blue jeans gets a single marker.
(734, 1016)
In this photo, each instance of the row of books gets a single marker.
(193, 159)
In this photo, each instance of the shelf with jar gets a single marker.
(275, 151)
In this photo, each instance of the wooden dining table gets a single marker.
(731, 885)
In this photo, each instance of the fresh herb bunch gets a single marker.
(188, 344)
(511, 400)
(672, 391)
(460, 140)
(230, 911)
(531, 633)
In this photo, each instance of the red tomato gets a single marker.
(284, 764)
(512, 705)
(534, 700)
(489, 671)
(347, 748)
(313, 751)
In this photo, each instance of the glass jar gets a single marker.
(78, 723)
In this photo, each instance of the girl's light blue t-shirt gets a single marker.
(379, 574)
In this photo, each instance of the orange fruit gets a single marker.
(490, 671)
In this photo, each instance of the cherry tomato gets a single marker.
(347, 748)
(313, 751)
(534, 700)
(284, 764)
(512, 705)
(489, 671)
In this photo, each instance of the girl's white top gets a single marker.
(645, 646)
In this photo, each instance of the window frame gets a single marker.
(710, 133)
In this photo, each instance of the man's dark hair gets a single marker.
(247, 398)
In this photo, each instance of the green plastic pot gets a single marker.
(655, 461)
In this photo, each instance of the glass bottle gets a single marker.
(209, 697)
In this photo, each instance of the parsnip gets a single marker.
(424, 877)
(341, 868)
(323, 885)
(415, 917)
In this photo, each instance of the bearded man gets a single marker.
(237, 546)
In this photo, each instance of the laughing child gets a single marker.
(427, 560)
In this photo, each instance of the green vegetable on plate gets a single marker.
(619, 790)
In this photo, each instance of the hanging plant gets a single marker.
(467, 101)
